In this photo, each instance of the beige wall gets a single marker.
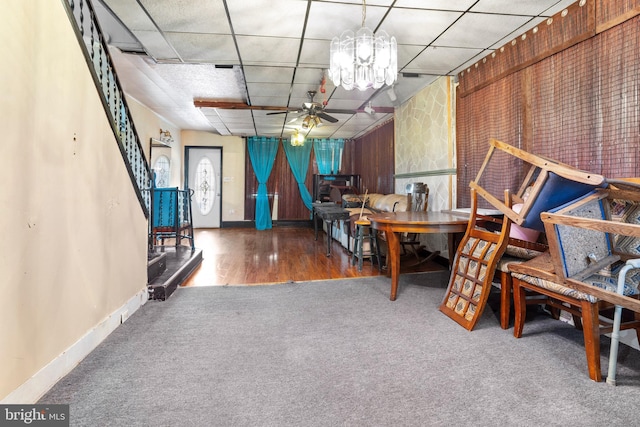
(66, 198)
(425, 148)
(233, 158)
(148, 125)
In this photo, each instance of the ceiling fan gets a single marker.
(315, 111)
(311, 111)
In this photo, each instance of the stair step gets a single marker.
(181, 262)
(156, 265)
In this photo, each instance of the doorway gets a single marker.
(203, 167)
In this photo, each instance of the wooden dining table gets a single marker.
(394, 223)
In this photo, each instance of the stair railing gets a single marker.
(95, 50)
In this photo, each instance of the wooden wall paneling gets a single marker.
(564, 103)
(494, 111)
(549, 37)
(618, 81)
(348, 157)
(374, 160)
(579, 106)
(614, 12)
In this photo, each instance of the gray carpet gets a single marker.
(339, 353)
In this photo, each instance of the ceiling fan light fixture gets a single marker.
(363, 60)
(310, 122)
(307, 123)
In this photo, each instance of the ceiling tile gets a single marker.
(212, 48)
(267, 90)
(342, 17)
(274, 51)
(204, 81)
(407, 53)
(439, 60)
(520, 7)
(156, 45)
(315, 53)
(458, 5)
(518, 32)
(309, 76)
(131, 15)
(257, 74)
(269, 101)
(273, 18)
(190, 16)
(476, 30)
(417, 27)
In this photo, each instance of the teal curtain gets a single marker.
(298, 158)
(328, 155)
(262, 152)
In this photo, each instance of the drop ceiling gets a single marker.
(171, 53)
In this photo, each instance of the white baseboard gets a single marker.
(36, 386)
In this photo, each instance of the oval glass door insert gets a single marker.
(205, 185)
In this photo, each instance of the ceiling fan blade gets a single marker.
(284, 112)
(327, 117)
(331, 110)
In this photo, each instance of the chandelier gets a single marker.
(363, 60)
(297, 139)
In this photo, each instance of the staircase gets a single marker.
(166, 269)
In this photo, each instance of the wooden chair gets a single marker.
(171, 216)
(517, 252)
(474, 267)
(542, 180)
(546, 185)
(578, 274)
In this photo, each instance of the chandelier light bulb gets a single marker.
(297, 139)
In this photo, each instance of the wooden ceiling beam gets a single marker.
(228, 105)
(225, 105)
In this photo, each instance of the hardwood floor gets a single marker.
(245, 256)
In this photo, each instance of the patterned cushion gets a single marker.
(608, 279)
(468, 280)
(554, 287)
(609, 283)
(503, 263)
(520, 252)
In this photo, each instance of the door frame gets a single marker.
(186, 168)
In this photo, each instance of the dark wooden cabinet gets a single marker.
(342, 184)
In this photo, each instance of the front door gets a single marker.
(203, 172)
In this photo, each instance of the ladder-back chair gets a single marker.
(474, 267)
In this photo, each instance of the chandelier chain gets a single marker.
(364, 12)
